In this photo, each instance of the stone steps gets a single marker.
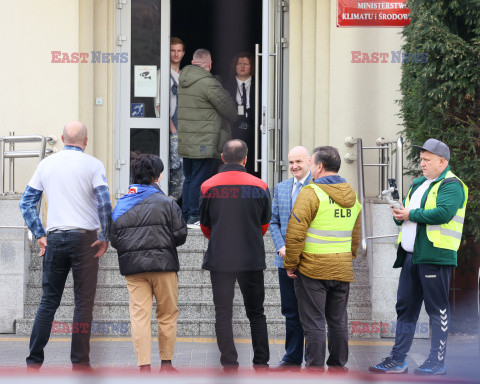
(187, 310)
(187, 275)
(114, 292)
(192, 327)
(196, 310)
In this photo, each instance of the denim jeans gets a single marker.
(196, 171)
(293, 326)
(253, 291)
(320, 301)
(65, 251)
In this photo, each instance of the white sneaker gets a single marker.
(196, 225)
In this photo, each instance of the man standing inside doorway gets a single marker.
(235, 211)
(431, 220)
(204, 112)
(284, 199)
(175, 182)
(322, 239)
(76, 188)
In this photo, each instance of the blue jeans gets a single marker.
(293, 327)
(428, 283)
(196, 171)
(65, 251)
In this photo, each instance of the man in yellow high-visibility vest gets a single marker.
(431, 220)
(323, 234)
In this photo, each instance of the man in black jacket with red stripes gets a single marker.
(235, 211)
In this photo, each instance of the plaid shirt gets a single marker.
(31, 197)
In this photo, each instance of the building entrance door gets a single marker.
(143, 34)
(143, 30)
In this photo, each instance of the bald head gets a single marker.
(234, 152)
(202, 58)
(299, 162)
(75, 133)
(299, 151)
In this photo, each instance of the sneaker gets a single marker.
(195, 225)
(431, 366)
(389, 365)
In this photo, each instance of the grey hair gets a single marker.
(202, 57)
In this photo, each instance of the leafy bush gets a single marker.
(441, 98)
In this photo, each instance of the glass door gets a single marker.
(271, 122)
(142, 103)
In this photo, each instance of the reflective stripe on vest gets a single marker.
(449, 235)
(327, 232)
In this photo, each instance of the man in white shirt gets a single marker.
(175, 182)
(75, 185)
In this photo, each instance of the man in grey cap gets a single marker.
(431, 219)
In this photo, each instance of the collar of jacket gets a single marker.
(332, 179)
(442, 175)
(232, 167)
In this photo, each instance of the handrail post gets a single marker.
(361, 190)
(399, 164)
(2, 166)
(11, 169)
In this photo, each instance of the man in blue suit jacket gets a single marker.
(284, 198)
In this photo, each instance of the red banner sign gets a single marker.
(372, 13)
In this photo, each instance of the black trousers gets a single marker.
(320, 300)
(428, 283)
(65, 251)
(253, 291)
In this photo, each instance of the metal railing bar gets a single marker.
(25, 139)
(381, 236)
(25, 154)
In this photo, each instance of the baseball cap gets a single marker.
(436, 147)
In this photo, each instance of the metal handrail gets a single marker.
(361, 182)
(12, 154)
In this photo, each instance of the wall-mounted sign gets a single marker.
(372, 13)
(145, 80)
(137, 110)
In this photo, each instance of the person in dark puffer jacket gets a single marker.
(147, 228)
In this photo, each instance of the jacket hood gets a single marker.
(191, 74)
(338, 189)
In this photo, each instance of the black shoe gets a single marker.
(431, 366)
(82, 368)
(337, 369)
(230, 369)
(260, 367)
(390, 366)
(286, 366)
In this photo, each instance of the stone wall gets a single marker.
(14, 263)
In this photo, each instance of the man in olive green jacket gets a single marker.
(204, 112)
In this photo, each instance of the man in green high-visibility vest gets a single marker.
(323, 234)
(431, 220)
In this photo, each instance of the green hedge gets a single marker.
(441, 98)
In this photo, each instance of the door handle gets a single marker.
(256, 126)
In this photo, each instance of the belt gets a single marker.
(76, 230)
